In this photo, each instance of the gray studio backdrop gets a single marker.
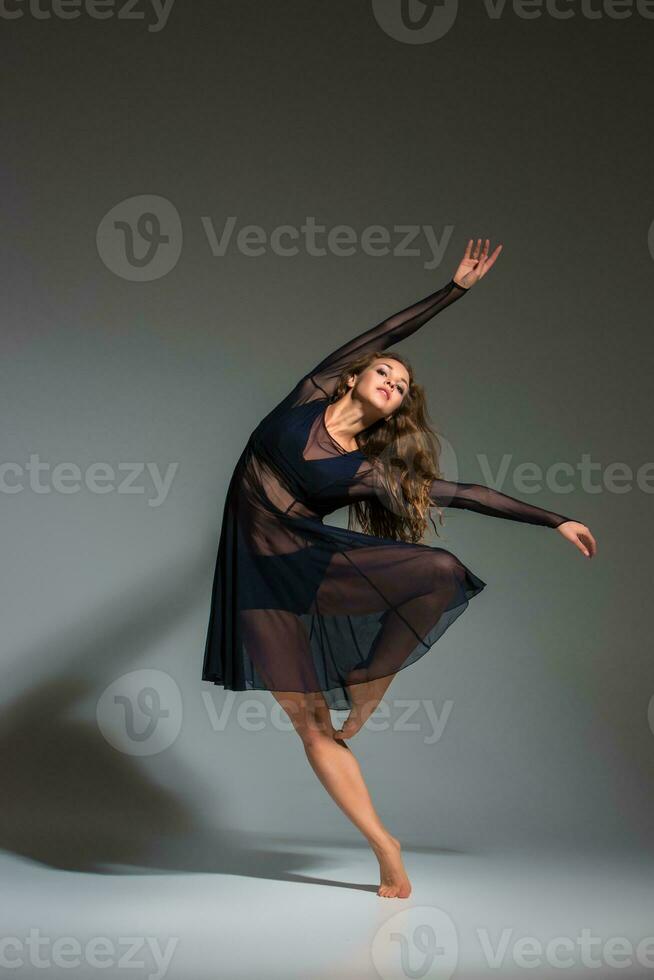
(196, 209)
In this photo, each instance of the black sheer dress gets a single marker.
(298, 604)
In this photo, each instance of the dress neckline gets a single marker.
(346, 452)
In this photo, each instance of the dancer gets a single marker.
(321, 616)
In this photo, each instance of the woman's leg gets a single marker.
(422, 595)
(339, 772)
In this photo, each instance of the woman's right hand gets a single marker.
(475, 263)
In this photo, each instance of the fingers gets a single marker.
(481, 253)
(582, 547)
(589, 542)
(480, 268)
(586, 543)
(478, 257)
(489, 262)
(493, 259)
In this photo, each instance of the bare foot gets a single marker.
(394, 879)
(365, 696)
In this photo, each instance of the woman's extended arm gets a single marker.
(475, 263)
(485, 500)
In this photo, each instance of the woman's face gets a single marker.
(384, 385)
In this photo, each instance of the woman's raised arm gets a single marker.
(384, 335)
(475, 263)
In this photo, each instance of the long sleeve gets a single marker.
(389, 332)
(484, 500)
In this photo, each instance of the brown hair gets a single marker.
(407, 450)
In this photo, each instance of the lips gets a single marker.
(384, 392)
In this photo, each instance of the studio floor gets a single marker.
(272, 908)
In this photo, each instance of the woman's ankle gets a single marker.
(382, 840)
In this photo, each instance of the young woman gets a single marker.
(322, 616)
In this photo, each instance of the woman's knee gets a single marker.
(310, 719)
(446, 571)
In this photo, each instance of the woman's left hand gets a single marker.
(475, 263)
(580, 536)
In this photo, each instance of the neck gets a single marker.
(347, 417)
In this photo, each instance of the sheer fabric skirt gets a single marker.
(345, 601)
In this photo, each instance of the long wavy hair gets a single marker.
(407, 450)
